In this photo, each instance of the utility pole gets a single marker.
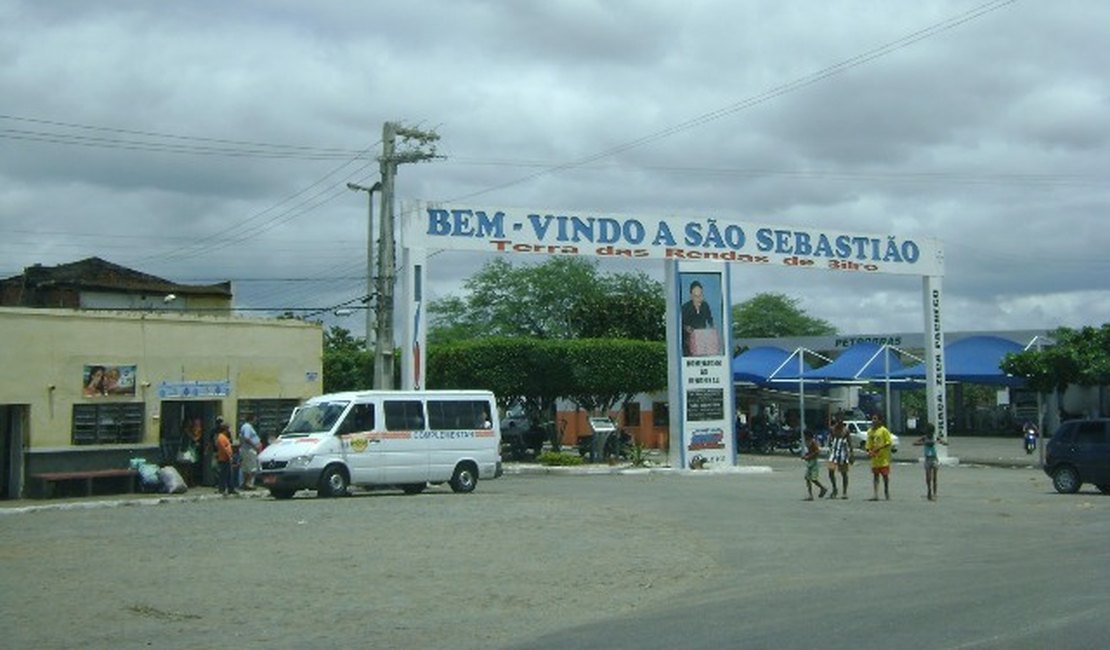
(370, 289)
(391, 157)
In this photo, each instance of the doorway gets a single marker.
(13, 419)
(186, 423)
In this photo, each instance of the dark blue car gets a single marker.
(1078, 453)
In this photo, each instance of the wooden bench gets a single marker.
(49, 479)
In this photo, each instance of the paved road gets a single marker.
(657, 560)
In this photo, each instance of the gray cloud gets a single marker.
(989, 136)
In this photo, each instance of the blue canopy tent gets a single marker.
(862, 361)
(758, 365)
(765, 365)
(973, 360)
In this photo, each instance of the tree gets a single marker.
(562, 298)
(346, 363)
(606, 372)
(774, 315)
(339, 339)
(628, 306)
(1078, 357)
(594, 373)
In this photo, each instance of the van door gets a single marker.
(405, 442)
(360, 446)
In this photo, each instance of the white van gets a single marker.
(403, 439)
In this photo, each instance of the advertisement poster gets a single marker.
(705, 369)
(101, 380)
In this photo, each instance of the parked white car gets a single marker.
(857, 433)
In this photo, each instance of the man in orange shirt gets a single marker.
(223, 460)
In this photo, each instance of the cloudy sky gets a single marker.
(212, 140)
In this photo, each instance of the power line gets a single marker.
(308, 289)
(775, 92)
(182, 144)
(214, 242)
(819, 174)
(755, 100)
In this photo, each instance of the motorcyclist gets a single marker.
(1030, 438)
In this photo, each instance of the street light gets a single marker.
(355, 187)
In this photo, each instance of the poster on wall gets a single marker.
(705, 369)
(104, 379)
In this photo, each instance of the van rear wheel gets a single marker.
(333, 482)
(465, 478)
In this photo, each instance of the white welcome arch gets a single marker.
(701, 250)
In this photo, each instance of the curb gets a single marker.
(515, 469)
(603, 470)
(126, 502)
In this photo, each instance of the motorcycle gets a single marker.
(788, 439)
(1030, 439)
(764, 438)
(756, 440)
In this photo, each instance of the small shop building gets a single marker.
(97, 372)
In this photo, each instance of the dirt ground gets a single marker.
(528, 560)
(378, 570)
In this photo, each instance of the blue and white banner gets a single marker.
(498, 229)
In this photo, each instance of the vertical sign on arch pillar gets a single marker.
(934, 359)
(414, 329)
(699, 364)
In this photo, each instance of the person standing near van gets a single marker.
(249, 446)
(879, 443)
(223, 460)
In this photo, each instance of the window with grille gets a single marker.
(660, 414)
(631, 414)
(107, 424)
(270, 415)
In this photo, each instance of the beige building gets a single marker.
(88, 389)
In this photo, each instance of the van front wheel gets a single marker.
(465, 478)
(333, 482)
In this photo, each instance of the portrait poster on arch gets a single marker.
(705, 369)
(701, 314)
(98, 380)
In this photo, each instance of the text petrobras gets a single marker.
(670, 238)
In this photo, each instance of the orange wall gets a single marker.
(643, 431)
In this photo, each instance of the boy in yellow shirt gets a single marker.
(878, 448)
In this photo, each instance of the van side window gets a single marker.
(403, 415)
(453, 415)
(359, 419)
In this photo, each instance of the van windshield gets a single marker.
(313, 418)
